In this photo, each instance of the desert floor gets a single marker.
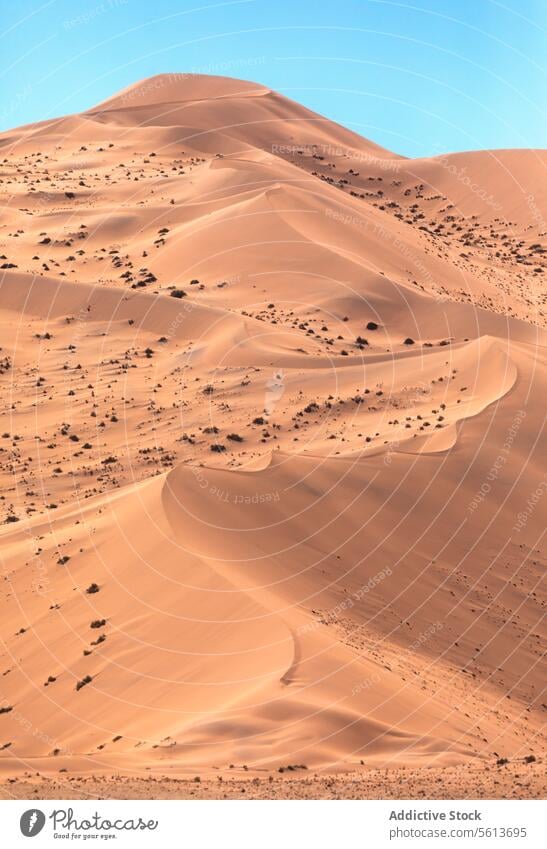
(512, 781)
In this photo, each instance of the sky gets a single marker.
(419, 78)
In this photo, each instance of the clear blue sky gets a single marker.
(419, 77)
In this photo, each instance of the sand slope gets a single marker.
(292, 516)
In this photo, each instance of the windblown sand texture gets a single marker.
(272, 450)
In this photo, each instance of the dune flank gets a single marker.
(272, 446)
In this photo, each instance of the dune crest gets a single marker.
(272, 439)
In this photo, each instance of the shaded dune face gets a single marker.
(272, 441)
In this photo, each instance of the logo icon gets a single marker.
(32, 822)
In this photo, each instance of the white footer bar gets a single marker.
(276, 824)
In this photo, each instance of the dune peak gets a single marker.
(179, 87)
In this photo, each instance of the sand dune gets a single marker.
(272, 447)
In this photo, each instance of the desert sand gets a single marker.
(272, 456)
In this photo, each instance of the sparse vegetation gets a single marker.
(292, 767)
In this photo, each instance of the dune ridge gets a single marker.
(272, 443)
